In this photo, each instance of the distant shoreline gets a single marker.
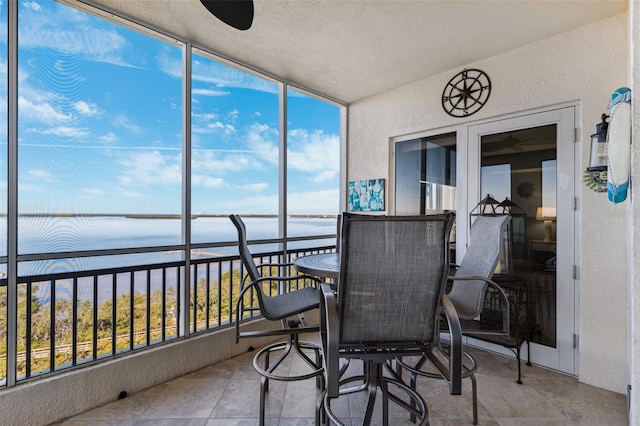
(166, 216)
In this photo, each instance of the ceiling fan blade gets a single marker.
(237, 13)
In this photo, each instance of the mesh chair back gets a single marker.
(480, 260)
(268, 308)
(243, 248)
(393, 272)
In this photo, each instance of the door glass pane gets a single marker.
(521, 166)
(425, 177)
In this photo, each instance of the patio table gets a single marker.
(325, 265)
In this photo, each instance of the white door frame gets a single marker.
(564, 356)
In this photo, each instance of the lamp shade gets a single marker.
(598, 154)
(546, 213)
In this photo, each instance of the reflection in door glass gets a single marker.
(426, 175)
(521, 166)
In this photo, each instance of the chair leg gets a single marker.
(266, 367)
(373, 388)
(474, 399)
(371, 381)
(263, 390)
(413, 384)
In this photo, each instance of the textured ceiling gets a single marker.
(353, 49)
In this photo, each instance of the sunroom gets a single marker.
(134, 128)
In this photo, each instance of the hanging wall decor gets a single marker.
(466, 93)
(366, 195)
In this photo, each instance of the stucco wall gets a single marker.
(583, 65)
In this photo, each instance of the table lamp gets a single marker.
(548, 214)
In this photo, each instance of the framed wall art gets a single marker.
(366, 195)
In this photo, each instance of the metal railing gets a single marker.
(75, 318)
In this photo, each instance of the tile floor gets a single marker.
(226, 394)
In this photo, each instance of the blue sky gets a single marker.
(100, 126)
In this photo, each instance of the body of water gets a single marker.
(62, 234)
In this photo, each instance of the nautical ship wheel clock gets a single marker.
(466, 93)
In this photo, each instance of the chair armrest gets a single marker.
(281, 278)
(329, 334)
(455, 350)
(506, 316)
(254, 284)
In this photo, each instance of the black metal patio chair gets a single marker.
(283, 296)
(393, 273)
(469, 285)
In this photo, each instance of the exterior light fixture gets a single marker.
(596, 175)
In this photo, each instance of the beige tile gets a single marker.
(227, 394)
(241, 398)
(241, 422)
(170, 422)
(300, 399)
(186, 398)
(505, 398)
(76, 421)
(580, 401)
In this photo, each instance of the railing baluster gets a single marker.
(148, 307)
(52, 329)
(74, 323)
(178, 302)
(194, 296)
(207, 287)
(95, 317)
(114, 312)
(131, 310)
(28, 318)
(219, 292)
(163, 321)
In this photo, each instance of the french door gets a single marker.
(529, 160)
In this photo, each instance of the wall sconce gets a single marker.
(596, 175)
(548, 214)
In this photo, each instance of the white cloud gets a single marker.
(109, 138)
(40, 175)
(314, 153)
(227, 128)
(129, 193)
(267, 204)
(150, 168)
(263, 140)
(85, 108)
(208, 92)
(71, 32)
(206, 116)
(32, 5)
(94, 192)
(207, 181)
(209, 162)
(42, 112)
(64, 131)
(314, 202)
(257, 187)
(217, 74)
(121, 120)
(233, 114)
(209, 123)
